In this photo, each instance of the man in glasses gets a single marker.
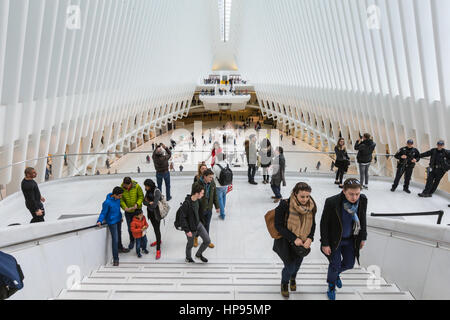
(343, 231)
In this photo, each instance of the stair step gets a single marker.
(402, 295)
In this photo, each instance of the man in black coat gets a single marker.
(407, 158)
(343, 231)
(192, 225)
(365, 147)
(161, 161)
(439, 165)
(33, 199)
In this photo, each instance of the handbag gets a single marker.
(163, 207)
(300, 251)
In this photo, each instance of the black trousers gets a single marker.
(36, 218)
(340, 174)
(400, 171)
(251, 172)
(433, 180)
(156, 227)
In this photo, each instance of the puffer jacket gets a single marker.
(137, 225)
(365, 149)
(132, 197)
(110, 211)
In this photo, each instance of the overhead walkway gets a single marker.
(224, 281)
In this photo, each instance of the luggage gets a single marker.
(11, 276)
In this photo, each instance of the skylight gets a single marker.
(225, 15)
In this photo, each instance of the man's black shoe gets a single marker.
(407, 190)
(124, 250)
(189, 260)
(253, 182)
(393, 189)
(202, 258)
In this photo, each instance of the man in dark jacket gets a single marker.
(439, 165)
(365, 148)
(33, 198)
(252, 154)
(206, 204)
(192, 225)
(407, 158)
(161, 158)
(343, 231)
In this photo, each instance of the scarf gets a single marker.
(301, 217)
(352, 208)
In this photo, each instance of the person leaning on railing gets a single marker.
(113, 217)
(439, 165)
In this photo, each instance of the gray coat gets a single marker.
(279, 168)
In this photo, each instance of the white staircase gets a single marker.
(141, 280)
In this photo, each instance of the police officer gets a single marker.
(407, 158)
(439, 165)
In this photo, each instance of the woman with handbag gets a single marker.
(295, 221)
(152, 197)
(342, 161)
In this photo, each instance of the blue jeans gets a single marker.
(208, 215)
(141, 243)
(114, 229)
(276, 190)
(341, 259)
(222, 195)
(166, 177)
(290, 270)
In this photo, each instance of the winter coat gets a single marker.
(153, 209)
(411, 153)
(137, 225)
(205, 203)
(161, 161)
(110, 211)
(283, 246)
(251, 153)
(365, 149)
(438, 159)
(331, 223)
(342, 158)
(265, 154)
(279, 168)
(188, 220)
(132, 197)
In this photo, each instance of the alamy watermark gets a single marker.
(373, 17)
(73, 18)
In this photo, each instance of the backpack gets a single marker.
(163, 207)
(177, 222)
(11, 276)
(226, 175)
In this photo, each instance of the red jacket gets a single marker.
(137, 225)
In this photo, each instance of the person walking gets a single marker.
(33, 199)
(191, 223)
(342, 161)
(113, 217)
(161, 161)
(365, 147)
(439, 165)
(152, 197)
(251, 153)
(139, 227)
(343, 231)
(202, 167)
(295, 221)
(407, 158)
(207, 202)
(222, 189)
(278, 173)
(131, 201)
(265, 155)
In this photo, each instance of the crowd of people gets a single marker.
(342, 235)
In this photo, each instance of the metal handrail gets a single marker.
(439, 213)
(177, 151)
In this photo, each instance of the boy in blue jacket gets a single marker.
(113, 217)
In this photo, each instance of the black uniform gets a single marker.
(405, 166)
(439, 165)
(33, 202)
